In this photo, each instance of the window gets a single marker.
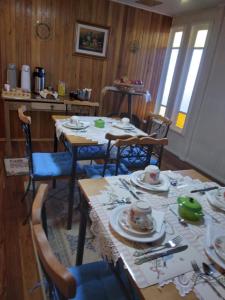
(170, 71)
(179, 75)
(191, 77)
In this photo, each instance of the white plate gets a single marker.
(219, 246)
(214, 200)
(163, 186)
(124, 223)
(82, 125)
(120, 125)
(114, 222)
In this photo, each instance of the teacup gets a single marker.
(125, 121)
(221, 192)
(140, 216)
(151, 175)
(75, 120)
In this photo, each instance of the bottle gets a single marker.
(39, 79)
(11, 76)
(61, 88)
(25, 78)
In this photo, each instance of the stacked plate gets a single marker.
(120, 224)
(124, 126)
(215, 244)
(137, 178)
(76, 126)
(215, 200)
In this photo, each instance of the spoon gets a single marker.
(180, 220)
(210, 272)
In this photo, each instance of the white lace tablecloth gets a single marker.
(174, 268)
(93, 133)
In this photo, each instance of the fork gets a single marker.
(202, 275)
(169, 244)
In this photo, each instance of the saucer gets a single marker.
(82, 125)
(219, 246)
(162, 186)
(215, 200)
(123, 126)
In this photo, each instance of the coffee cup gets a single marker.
(151, 175)
(140, 216)
(125, 121)
(75, 120)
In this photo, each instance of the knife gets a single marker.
(205, 190)
(125, 184)
(139, 261)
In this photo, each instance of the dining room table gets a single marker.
(89, 134)
(157, 274)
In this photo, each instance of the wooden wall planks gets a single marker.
(19, 44)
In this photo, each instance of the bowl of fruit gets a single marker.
(128, 85)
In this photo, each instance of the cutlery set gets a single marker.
(204, 275)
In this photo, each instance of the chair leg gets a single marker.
(27, 190)
(54, 183)
(30, 209)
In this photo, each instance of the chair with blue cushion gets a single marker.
(155, 126)
(43, 166)
(92, 281)
(115, 151)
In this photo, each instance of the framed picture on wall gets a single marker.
(91, 39)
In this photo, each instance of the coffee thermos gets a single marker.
(11, 76)
(39, 79)
(25, 78)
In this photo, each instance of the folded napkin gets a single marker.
(159, 216)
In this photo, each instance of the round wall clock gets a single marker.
(43, 31)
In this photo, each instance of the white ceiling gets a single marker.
(174, 7)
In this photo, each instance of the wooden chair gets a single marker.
(82, 107)
(128, 152)
(94, 281)
(157, 125)
(43, 165)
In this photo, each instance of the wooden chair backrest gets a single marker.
(160, 118)
(142, 141)
(23, 118)
(59, 275)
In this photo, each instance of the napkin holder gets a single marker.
(99, 123)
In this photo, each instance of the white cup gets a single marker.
(75, 120)
(125, 121)
(151, 175)
(140, 216)
(7, 87)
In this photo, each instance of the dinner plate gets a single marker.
(215, 200)
(81, 126)
(125, 224)
(163, 186)
(120, 125)
(219, 246)
(114, 222)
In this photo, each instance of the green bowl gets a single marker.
(189, 208)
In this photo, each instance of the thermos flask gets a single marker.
(11, 76)
(39, 79)
(25, 78)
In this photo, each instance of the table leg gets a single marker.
(82, 230)
(8, 144)
(72, 187)
(129, 96)
(55, 149)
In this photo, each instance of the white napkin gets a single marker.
(159, 216)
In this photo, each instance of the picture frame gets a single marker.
(91, 40)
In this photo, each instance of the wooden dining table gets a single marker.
(75, 141)
(93, 187)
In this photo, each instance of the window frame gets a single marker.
(184, 73)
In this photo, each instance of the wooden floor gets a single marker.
(18, 270)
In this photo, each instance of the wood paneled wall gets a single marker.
(19, 44)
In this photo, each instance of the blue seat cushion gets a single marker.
(138, 163)
(89, 152)
(52, 164)
(96, 281)
(96, 171)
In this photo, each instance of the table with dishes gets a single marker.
(87, 131)
(166, 227)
